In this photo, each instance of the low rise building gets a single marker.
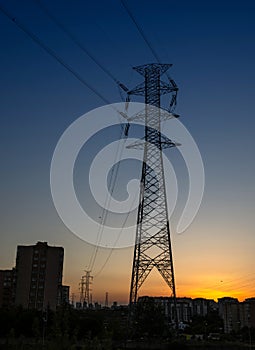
(7, 287)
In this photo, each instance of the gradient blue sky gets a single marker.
(211, 46)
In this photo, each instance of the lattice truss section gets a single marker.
(153, 245)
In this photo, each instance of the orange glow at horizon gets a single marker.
(123, 295)
(156, 286)
(203, 268)
(211, 287)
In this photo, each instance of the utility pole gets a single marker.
(153, 243)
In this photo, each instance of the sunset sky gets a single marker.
(212, 48)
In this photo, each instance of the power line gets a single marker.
(116, 241)
(229, 287)
(79, 44)
(76, 75)
(154, 53)
(53, 54)
(104, 216)
(108, 199)
(113, 178)
(223, 284)
(239, 287)
(140, 30)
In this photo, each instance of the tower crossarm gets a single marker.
(163, 143)
(164, 88)
(161, 68)
(140, 116)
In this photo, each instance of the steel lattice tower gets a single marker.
(85, 290)
(153, 243)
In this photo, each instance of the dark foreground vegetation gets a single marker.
(104, 329)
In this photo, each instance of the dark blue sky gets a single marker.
(211, 46)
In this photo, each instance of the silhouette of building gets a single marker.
(200, 307)
(251, 302)
(7, 282)
(39, 271)
(229, 311)
(247, 313)
(65, 291)
(183, 307)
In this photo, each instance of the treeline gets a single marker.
(66, 328)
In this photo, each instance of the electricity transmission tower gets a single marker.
(106, 304)
(153, 243)
(85, 290)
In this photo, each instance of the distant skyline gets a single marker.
(211, 46)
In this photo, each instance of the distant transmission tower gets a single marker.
(106, 304)
(153, 244)
(85, 290)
